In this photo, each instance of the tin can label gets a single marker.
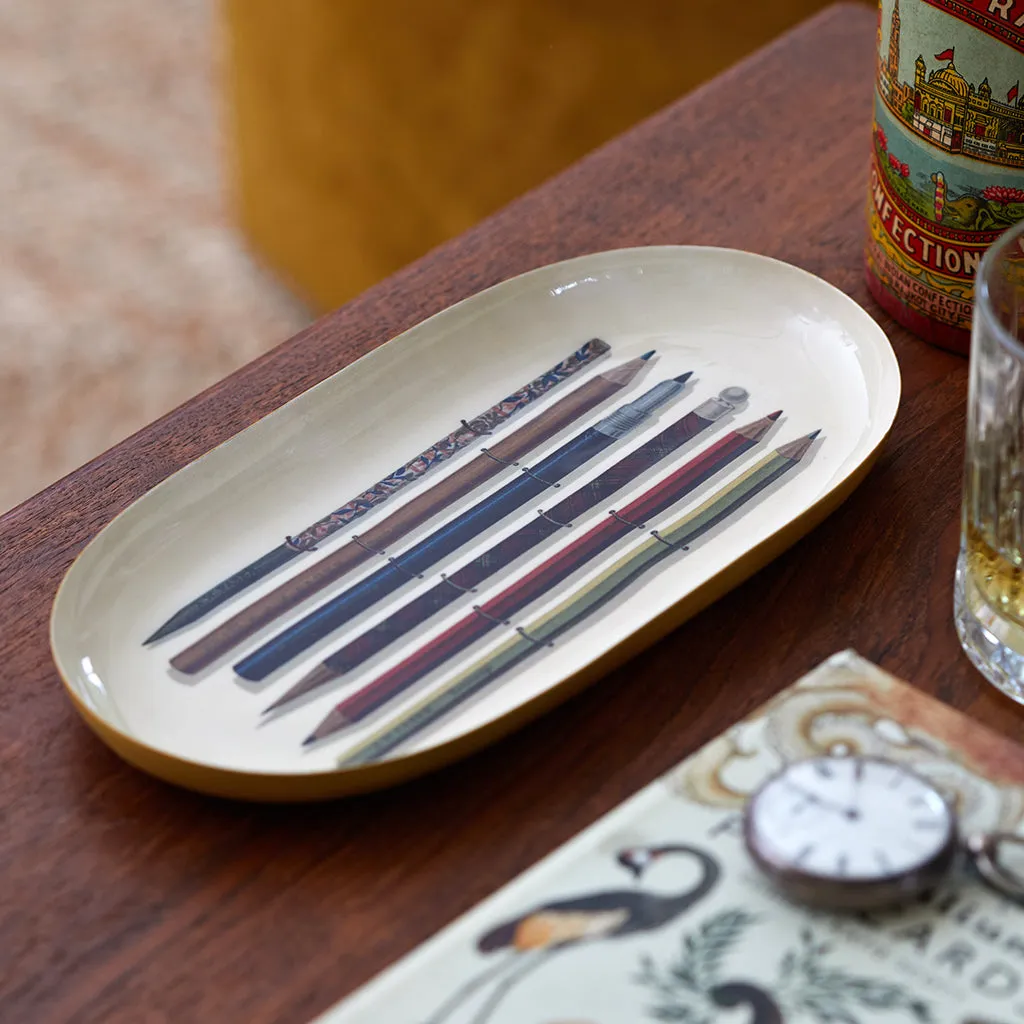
(947, 173)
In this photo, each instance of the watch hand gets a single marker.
(848, 812)
(858, 775)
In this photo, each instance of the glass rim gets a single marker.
(982, 299)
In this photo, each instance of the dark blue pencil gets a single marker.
(531, 482)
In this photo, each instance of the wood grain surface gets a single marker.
(123, 899)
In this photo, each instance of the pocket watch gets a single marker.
(846, 832)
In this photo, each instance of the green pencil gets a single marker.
(582, 602)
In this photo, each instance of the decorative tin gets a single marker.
(947, 176)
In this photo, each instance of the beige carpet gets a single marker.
(124, 289)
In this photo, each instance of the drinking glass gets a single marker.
(989, 591)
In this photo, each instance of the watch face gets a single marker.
(848, 819)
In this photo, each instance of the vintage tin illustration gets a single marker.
(947, 172)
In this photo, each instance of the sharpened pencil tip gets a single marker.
(172, 625)
(683, 377)
(335, 721)
(320, 676)
(774, 415)
(647, 355)
(814, 433)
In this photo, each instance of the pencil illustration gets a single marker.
(549, 574)
(448, 538)
(491, 461)
(437, 453)
(556, 519)
(539, 633)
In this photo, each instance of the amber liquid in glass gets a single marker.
(998, 580)
(992, 552)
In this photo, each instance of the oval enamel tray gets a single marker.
(755, 335)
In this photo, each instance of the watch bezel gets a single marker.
(830, 892)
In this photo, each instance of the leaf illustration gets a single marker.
(827, 1010)
(715, 939)
(788, 966)
(831, 995)
(682, 988)
(679, 1013)
(648, 976)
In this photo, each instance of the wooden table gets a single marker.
(122, 899)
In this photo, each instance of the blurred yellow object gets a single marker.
(363, 134)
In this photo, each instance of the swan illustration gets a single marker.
(763, 1008)
(534, 936)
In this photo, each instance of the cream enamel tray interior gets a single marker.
(731, 319)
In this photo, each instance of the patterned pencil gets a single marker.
(433, 456)
(538, 633)
(558, 518)
(447, 539)
(489, 463)
(548, 575)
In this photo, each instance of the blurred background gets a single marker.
(186, 184)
